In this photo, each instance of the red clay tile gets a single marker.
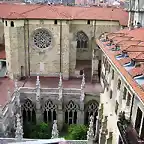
(31, 11)
(124, 60)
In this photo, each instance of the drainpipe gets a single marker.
(60, 46)
(131, 107)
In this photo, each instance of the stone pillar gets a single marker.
(65, 50)
(80, 114)
(2, 126)
(103, 131)
(60, 115)
(38, 104)
(95, 62)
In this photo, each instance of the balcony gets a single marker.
(127, 131)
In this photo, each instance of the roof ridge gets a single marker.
(33, 9)
(60, 13)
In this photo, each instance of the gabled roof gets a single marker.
(35, 11)
(134, 58)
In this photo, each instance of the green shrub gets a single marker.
(77, 132)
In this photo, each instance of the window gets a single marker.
(71, 113)
(128, 100)
(91, 110)
(55, 22)
(138, 120)
(124, 93)
(3, 20)
(116, 107)
(42, 39)
(28, 110)
(12, 24)
(49, 111)
(110, 94)
(82, 40)
(5, 23)
(109, 67)
(88, 22)
(119, 84)
(112, 74)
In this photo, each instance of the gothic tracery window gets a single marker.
(91, 109)
(28, 110)
(71, 113)
(82, 40)
(49, 111)
(42, 38)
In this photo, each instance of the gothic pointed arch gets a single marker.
(71, 110)
(91, 108)
(82, 40)
(49, 111)
(28, 111)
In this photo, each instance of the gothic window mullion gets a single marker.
(47, 115)
(52, 115)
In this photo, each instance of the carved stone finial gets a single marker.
(16, 85)
(90, 133)
(60, 80)
(37, 88)
(60, 87)
(82, 94)
(55, 133)
(19, 128)
(83, 80)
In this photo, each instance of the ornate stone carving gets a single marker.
(42, 39)
(19, 129)
(82, 88)
(55, 132)
(9, 103)
(37, 89)
(90, 133)
(60, 87)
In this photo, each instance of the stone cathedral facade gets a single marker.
(53, 41)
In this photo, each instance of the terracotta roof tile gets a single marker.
(34, 11)
(116, 53)
(135, 48)
(137, 71)
(118, 39)
(140, 57)
(133, 55)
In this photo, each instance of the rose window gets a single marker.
(42, 39)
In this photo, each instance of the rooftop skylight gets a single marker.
(123, 55)
(139, 79)
(129, 65)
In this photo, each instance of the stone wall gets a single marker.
(24, 58)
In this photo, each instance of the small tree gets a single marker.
(38, 131)
(77, 132)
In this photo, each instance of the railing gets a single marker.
(128, 133)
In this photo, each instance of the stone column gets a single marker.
(60, 115)
(103, 131)
(80, 114)
(2, 126)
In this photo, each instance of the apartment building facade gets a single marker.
(122, 77)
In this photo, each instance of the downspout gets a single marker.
(131, 107)
(28, 50)
(60, 46)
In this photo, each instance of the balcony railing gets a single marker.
(128, 132)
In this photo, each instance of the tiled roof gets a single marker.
(2, 54)
(135, 51)
(34, 11)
